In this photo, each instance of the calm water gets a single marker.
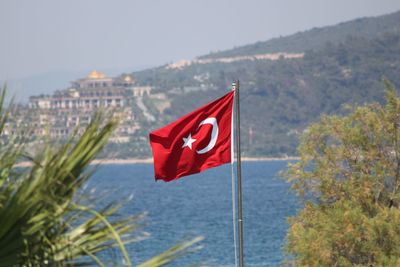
(200, 205)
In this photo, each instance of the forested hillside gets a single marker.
(344, 65)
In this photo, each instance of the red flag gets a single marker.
(195, 142)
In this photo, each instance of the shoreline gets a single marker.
(150, 161)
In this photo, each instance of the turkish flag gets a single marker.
(195, 142)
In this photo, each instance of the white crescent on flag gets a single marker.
(214, 135)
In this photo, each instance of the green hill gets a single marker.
(342, 64)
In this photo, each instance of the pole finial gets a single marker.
(235, 84)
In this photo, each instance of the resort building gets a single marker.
(59, 115)
(94, 91)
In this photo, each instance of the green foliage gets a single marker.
(46, 217)
(349, 177)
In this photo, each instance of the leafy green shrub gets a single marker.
(349, 176)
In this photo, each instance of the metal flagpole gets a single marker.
(233, 184)
(239, 174)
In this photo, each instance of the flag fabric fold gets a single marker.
(195, 142)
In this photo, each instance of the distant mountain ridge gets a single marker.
(367, 27)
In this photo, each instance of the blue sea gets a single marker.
(201, 205)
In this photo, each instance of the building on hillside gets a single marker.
(90, 93)
(139, 91)
(59, 115)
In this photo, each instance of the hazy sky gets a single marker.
(51, 35)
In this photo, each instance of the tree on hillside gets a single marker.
(349, 178)
(47, 219)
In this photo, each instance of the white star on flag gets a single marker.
(188, 141)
